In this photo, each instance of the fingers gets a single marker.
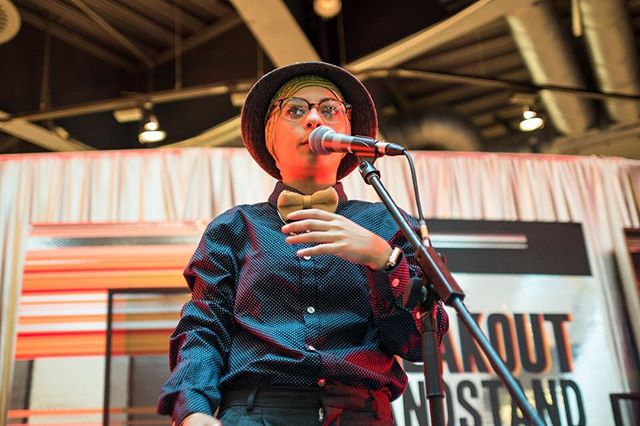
(306, 225)
(314, 237)
(329, 248)
(331, 234)
(311, 214)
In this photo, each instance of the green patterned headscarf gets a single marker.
(287, 90)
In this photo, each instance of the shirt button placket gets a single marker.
(310, 294)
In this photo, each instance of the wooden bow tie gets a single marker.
(288, 201)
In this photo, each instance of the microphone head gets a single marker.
(316, 137)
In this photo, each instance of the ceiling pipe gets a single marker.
(613, 53)
(550, 61)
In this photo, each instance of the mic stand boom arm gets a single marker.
(447, 290)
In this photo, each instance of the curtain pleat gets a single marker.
(197, 184)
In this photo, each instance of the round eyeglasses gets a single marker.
(331, 110)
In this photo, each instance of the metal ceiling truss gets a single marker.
(85, 18)
(499, 56)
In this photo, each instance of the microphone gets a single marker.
(324, 140)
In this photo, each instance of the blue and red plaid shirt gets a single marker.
(260, 315)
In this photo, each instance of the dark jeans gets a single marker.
(331, 405)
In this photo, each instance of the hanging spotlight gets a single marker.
(530, 121)
(149, 126)
(327, 9)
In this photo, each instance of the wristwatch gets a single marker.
(394, 258)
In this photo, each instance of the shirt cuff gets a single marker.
(189, 402)
(388, 286)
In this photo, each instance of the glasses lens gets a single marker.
(294, 108)
(331, 110)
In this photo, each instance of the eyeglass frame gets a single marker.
(311, 105)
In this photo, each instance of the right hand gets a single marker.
(200, 419)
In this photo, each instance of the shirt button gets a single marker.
(322, 382)
(311, 309)
(306, 257)
(311, 348)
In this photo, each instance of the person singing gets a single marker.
(296, 314)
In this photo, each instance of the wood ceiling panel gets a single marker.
(72, 19)
(131, 22)
(471, 53)
(78, 41)
(496, 28)
(206, 9)
(164, 13)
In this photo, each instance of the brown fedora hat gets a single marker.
(364, 121)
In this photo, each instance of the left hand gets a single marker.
(335, 234)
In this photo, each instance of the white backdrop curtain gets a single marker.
(200, 183)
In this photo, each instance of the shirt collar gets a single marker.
(273, 198)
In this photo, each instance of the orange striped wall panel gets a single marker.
(69, 270)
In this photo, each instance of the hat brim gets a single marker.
(364, 121)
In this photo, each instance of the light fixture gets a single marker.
(327, 9)
(530, 121)
(149, 126)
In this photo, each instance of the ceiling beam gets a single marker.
(493, 29)
(73, 19)
(497, 83)
(78, 41)
(134, 101)
(471, 53)
(199, 38)
(244, 85)
(276, 30)
(166, 12)
(474, 16)
(135, 50)
(40, 136)
(257, 15)
(285, 45)
(207, 7)
(481, 13)
(132, 22)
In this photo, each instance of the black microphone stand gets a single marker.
(440, 285)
